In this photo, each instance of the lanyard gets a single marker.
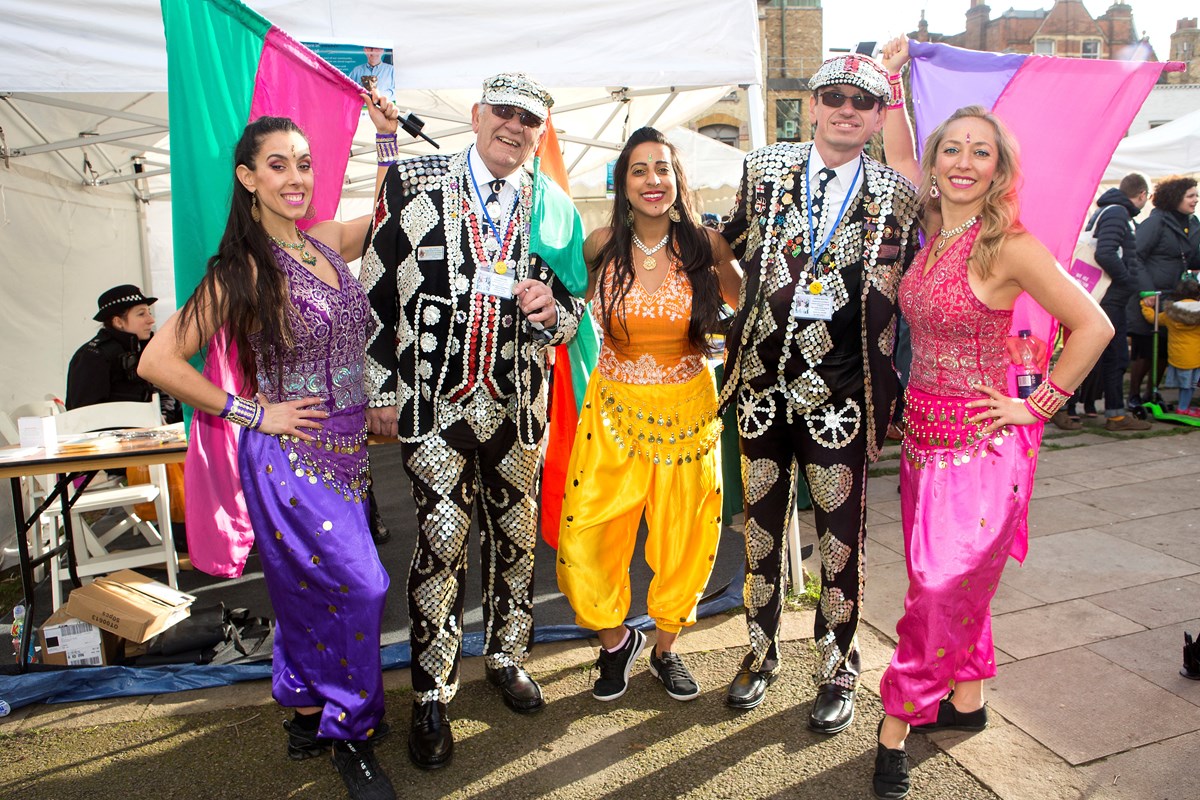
(488, 217)
(812, 228)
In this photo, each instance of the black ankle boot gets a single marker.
(1191, 658)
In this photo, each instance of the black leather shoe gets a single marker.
(748, 688)
(430, 742)
(520, 692)
(950, 718)
(832, 710)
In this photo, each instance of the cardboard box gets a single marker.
(67, 641)
(130, 605)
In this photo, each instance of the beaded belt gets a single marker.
(685, 430)
(337, 459)
(937, 430)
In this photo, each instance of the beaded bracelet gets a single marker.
(241, 411)
(1046, 400)
(386, 151)
(896, 85)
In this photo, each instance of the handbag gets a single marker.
(1086, 271)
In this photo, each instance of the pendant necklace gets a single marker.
(302, 246)
(650, 262)
(946, 235)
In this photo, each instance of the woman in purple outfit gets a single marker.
(299, 320)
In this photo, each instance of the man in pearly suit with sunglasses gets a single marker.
(823, 232)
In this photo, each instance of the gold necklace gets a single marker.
(650, 262)
(302, 246)
(946, 235)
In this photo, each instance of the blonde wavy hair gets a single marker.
(1001, 211)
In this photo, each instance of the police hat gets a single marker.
(119, 299)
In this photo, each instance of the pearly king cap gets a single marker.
(520, 90)
(852, 70)
(118, 299)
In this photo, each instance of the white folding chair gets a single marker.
(35, 488)
(91, 550)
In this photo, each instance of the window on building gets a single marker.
(787, 121)
(1091, 49)
(725, 134)
(795, 4)
(1043, 47)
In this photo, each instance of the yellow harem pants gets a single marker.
(642, 448)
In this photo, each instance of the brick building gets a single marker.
(1065, 29)
(790, 39)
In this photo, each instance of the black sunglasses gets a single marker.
(861, 102)
(507, 112)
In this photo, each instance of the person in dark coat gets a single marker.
(104, 370)
(1168, 244)
(1116, 252)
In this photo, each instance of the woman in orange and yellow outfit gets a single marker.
(647, 438)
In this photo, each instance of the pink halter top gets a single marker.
(957, 341)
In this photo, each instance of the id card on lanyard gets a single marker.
(494, 278)
(811, 301)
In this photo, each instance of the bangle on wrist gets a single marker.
(241, 411)
(386, 150)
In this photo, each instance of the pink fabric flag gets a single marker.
(1068, 114)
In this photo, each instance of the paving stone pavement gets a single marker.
(1087, 703)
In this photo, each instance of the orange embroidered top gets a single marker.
(656, 349)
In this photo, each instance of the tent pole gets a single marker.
(758, 116)
(140, 200)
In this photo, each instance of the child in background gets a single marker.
(1182, 319)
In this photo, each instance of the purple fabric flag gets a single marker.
(1067, 114)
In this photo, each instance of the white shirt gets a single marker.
(846, 181)
(481, 191)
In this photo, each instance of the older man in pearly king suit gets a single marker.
(823, 232)
(457, 370)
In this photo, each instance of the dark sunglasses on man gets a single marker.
(506, 113)
(861, 102)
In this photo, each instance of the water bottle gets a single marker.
(18, 625)
(1028, 376)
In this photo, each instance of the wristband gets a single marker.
(896, 87)
(386, 151)
(1046, 400)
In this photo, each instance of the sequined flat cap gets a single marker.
(852, 70)
(520, 90)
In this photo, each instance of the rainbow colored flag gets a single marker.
(1068, 114)
(571, 368)
(226, 66)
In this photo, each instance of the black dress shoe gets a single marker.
(748, 688)
(520, 692)
(950, 718)
(832, 710)
(430, 742)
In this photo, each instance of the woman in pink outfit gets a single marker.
(969, 449)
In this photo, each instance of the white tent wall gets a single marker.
(82, 72)
(1169, 149)
(62, 246)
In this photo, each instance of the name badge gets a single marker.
(494, 285)
(813, 306)
(431, 253)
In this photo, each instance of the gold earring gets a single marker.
(629, 214)
(255, 214)
(673, 214)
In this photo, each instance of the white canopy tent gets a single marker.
(84, 184)
(1170, 149)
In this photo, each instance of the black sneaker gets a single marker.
(615, 667)
(674, 675)
(304, 743)
(891, 781)
(360, 771)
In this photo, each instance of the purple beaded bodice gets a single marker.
(957, 341)
(330, 327)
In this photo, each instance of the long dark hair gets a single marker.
(251, 301)
(689, 244)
